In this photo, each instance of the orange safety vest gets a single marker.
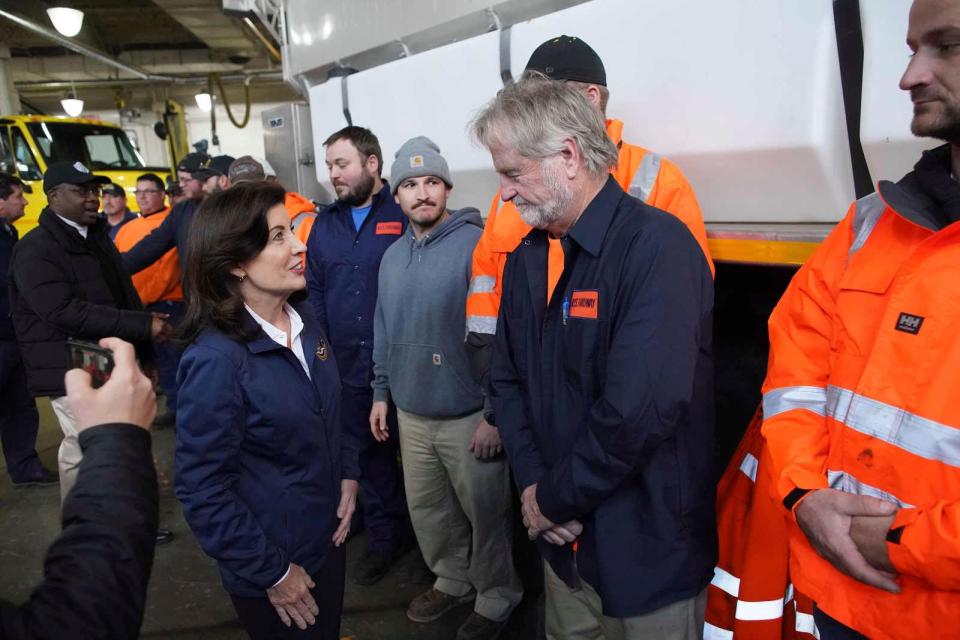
(161, 280)
(750, 596)
(641, 173)
(302, 212)
(861, 396)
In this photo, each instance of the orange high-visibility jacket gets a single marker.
(302, 212)
(862, 395)
(750, 596)
(161, 280)
(641, 173)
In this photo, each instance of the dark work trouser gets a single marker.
(19, 420)
(168, 353)
(383, 500)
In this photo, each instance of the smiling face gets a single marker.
(78, 203)
(424, 201)
(933, 74)
(353, 177)
(278, 270)
(191, 187)
(149, 196)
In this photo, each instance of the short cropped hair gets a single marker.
(155, 179)
(534, 117)
(7, 184)
(363, 139)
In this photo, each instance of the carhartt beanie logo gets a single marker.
(419, 156)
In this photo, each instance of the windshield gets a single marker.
(96, 146)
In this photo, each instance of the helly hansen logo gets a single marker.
(584, 304)
(909, 323)
(389, 228)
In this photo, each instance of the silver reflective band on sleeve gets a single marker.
(868, 212)
(805, 624)
(843, 481)
(482, 324)
(891, 424)
(762, 610)
(749, 466)
(777, 401)
(713, 632)
(643, 180)
(482, 284)
(726, 582)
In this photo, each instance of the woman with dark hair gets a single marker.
(266, 478)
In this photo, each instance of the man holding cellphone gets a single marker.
(67, 281)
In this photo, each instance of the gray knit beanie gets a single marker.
(418, 157)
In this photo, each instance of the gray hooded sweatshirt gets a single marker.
(419, 357)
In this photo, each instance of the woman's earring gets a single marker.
(243, 277)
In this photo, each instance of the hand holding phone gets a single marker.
(126, 396)
(92, 358)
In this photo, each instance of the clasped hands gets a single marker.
(539, 526)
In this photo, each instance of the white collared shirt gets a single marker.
(280, 337)
(82, 230)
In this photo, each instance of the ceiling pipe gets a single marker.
(83, 49)
(60, 84)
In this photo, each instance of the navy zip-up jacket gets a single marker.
(260, 454)
(342, 269)
(8, 238)
(171, 234)
(604, 399)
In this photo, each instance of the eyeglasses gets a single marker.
(145, 191)
(83, 190)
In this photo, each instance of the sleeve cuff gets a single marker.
(552, 509)
(381, 395)
(897, 547)
(282, 578)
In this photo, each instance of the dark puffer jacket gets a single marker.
(60, 289)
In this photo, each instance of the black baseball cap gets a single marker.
(193, 162)
(66, 172)
(219, 166)
(568, 58)
(115, 190)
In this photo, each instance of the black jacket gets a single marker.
(59, 288)
(604, 400)
(8, 238)
(96, 572)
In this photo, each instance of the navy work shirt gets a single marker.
(342, 268)
(171, 234)
(604, 399)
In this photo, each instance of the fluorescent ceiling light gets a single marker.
(204, 101)
(65, 20)
(72, 106)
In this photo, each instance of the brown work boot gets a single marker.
(432, 604)
(478, 627)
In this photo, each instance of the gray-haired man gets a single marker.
(459, 503)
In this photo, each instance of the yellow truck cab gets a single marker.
(29, 143)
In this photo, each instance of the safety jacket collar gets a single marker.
(591, 228)
(615, 131)
(912, 200)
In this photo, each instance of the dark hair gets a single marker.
(363, 139)
(7, 183)
(229, 229)
(155, 179)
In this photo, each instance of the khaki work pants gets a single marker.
(70, 454)
(460, 509)
(577, 614)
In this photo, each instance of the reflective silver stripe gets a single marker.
(762, 610)
(300, 217)
(868, 212)
(777, 401)
(713, 632)
(726, 582)
(843, 481)
(749, 466)
(805, 624)
(645, 177)
(482, 324)
(482, 284)
(893, 425)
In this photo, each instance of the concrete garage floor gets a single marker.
(186, 599)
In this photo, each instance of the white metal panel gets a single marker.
(890, 148)
(745, 97)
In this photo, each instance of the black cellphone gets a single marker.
(92, 358)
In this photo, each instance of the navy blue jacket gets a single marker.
(604, 399)
(260, 454)
(8, 237)
(342, 269)
(171, 234)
